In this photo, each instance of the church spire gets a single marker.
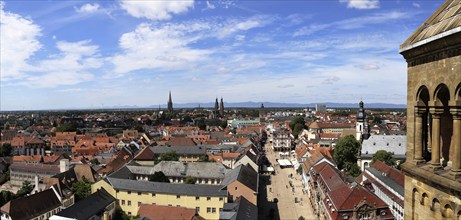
(170, 104)
(221, 108)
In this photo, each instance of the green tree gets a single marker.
(81, 189)
(25, 189)
(384, 156)
(5, 150)
(201, 124)
(346, 152)
(159, 176)
(297, 124)
(190, 180)
(223, 124)
(354, 170)
(5, 196)
(203, 158)
(169, 156)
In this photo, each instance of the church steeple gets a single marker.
(170, 104)
(216, 106)
(221, 108)
(362, 127)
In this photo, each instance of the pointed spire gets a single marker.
(221, 108)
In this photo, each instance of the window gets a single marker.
(221, 198)
(208, 210)
(153, 194)
(235, 188)
(123, 202)
(129, 203)
(139, 193)
(213, 210)
(139, 203)
(129, 213)
(117, 191)
(178, 196)
(197, 209)
(197, 198)
(129, 192)
(208, 198)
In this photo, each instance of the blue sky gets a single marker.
(80, 54)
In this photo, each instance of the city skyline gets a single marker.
(79, 54)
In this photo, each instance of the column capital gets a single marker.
(436, 112)
(419, 111)
(456, 112)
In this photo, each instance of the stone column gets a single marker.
(418, 146)
(435, 162)
(456, 139)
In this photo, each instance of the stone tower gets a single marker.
(433, 165)
(221, 108)
(216, 108)
(362, 129)
(170, 105)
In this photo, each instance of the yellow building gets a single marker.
(433, 166)
(208, 200)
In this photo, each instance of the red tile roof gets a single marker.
(156, 212)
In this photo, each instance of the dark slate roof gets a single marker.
(167, 188)
(122, 173)
(180, 150)
(240, 210)
(247, 176)
(92, 205)
(32, 206)
(383, 177)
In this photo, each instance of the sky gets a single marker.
(93, 54)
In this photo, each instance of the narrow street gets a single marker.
(292, 201)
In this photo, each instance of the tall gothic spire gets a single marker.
(221, 108)
(170, 105)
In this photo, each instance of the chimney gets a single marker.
(64, 165)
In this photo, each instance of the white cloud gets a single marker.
(18, 42)
(166, 47)
(71, 66)
(361, 4)
(156, 10)
(416, 4)
(210, 5)
(88, 8)
(352, 23)
(237, 25)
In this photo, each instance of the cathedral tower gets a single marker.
(433, 164)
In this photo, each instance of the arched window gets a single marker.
(422, 105)
(442, 98)
(447, 211)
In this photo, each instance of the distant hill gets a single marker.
(282, 105)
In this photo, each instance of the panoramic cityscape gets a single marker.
(230, 110)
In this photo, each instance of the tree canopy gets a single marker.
(190, 180)
(169, 156)
(346, 152)
(159, 176)
(384, 156)
(297, 124)
(81, 189)
(25, 189)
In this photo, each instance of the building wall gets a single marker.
(129, 202)
(423, 201)
(237, 189)
(441, 191)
